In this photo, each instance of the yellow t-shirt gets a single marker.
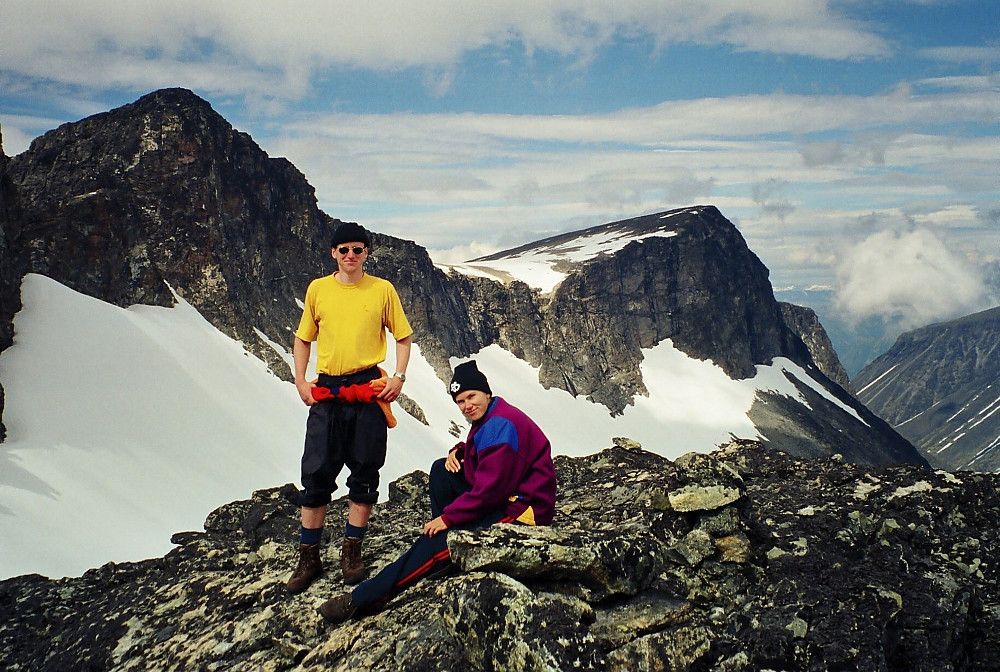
(348, 323)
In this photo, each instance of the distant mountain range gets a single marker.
(939, 386)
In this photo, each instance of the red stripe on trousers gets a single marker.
(423, 569)
(443, 555)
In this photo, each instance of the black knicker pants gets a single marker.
(340, 434)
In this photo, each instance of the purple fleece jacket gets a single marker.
(508, 463)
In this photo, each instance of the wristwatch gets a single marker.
(401, 376)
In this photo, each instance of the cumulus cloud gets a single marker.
(822, 153)
(523, 192)
(462, 253)
(687, 189)
(908, 278)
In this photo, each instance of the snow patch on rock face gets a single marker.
(547, 263)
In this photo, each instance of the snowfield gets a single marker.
(126, 426)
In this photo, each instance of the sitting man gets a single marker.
(502, 473)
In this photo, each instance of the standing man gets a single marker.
(346, 313)
(502, 473)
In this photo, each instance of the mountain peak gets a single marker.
(171, 96)
(544, 263)
(164, 195)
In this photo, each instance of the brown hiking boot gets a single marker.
(310, 566)
(350, 561)
(338, 609)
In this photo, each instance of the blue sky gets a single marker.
(856, 144)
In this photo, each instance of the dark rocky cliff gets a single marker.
(706, 291)
(703, 288)
(743, 559)
(805, 323)
(939, 386)
(162, 194)
(11, 266)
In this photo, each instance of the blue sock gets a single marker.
(309, 537)
(355, 531)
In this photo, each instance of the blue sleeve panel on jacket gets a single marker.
(497, 431)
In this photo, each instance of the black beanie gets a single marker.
(349, 232)
(468, 377)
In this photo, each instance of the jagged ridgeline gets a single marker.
(164, 195)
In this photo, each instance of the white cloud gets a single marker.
(822, 153)
(274, 48)
(15, 140)
(447, 179)
(462, 253)
(986, 82)
(963, 54)
(911, 277)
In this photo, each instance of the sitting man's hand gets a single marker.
(452, 463)
(432, 527)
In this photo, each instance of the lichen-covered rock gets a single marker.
(497, 619)
(702, 497)
(614, 561)
(673, 649)
(817, 565)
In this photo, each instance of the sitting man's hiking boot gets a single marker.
(350, 561)
(338, 609)
(310, 566)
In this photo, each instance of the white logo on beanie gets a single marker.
(455, 386)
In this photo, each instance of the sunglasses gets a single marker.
(355, 250)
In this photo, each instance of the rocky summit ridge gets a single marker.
(742, 559)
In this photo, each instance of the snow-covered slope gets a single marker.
(125, 426)
(544, 264)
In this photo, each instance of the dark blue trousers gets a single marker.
(428, 554)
